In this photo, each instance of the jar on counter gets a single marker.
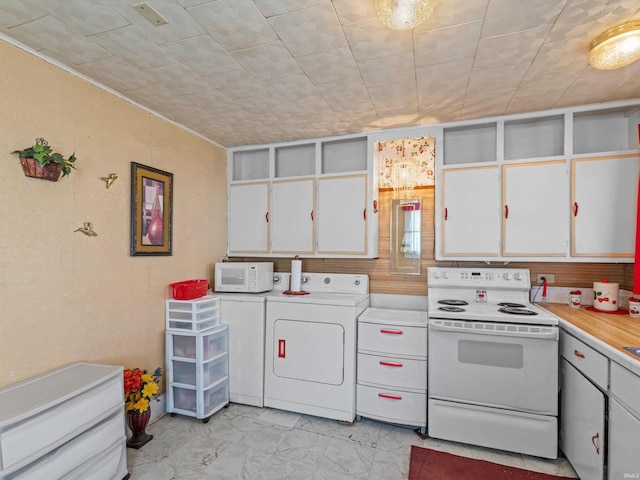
(575, 298)
(634, 307)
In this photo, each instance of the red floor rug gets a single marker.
(427, 464)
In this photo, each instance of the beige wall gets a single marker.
(66, 297)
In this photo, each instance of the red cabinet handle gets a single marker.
(282, 348)
(391, 332)
(593, 440)
(312, 215)
(364, 213)
(446, 214)
(506, 211)
(390, 397)
(390, 364)
(575, 209)
(578, 354)
(267, 217)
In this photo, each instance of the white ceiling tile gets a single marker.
(258, 105)
(213, 101)
(388, 70)
(271, 8)
(84, 16)
(133, 46)
(237, 84)
(19, 12)
(522, 104)
(498, 78)
(181, 25)
(330, 67)
(54, 36)
(344, 93)
(202, 55)
(311, 30)
(267, 62)
(447, 44)
(370, 39)
(447, 77)
(179, 78)
(547, 83)
(486, 104)
(511, 48)
(118, 74)
(448, 13)
(570, 54)
(291, 89)
(234, 24)
(509, 16)
(351, 11)
(390, 95)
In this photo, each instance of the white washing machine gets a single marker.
(310, 353)
(244, 314)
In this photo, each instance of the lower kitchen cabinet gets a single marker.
(624, 424)
(392, 366)
(582, 424)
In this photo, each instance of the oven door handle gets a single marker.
(478, 328)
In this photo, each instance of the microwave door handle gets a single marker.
(542, 333)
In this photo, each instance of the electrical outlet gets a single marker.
(551, 278)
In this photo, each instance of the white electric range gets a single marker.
(310, 353)
(493, 361)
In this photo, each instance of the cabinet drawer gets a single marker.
(392, 405)
(212, 371)
(75, 453)
(63, 422)
(392, 339)
(591, 363)
(108, 465)
(625, 386)
(393, 372)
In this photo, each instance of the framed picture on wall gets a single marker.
(151, 210)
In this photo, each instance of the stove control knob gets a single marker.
(517, 276)
(445, 275)
(436, 274)
(507, 276)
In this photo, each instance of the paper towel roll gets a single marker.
(605, 296)
(296, 275)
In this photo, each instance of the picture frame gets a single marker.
(151, 211)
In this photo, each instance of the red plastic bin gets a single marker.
(189, 289)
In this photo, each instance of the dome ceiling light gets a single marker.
(617, 47)
(404, 14)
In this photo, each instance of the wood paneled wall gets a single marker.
(382, 281)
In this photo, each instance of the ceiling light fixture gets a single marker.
(404, 14)
(150, 13)
(617, 47)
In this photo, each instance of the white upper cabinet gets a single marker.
(342, 215)
(603, 216)
(471, 216)
(316, 199)
(292, 216)
(569, 186)
(248, 221)
(535, 221)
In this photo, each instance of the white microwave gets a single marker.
(249, 277)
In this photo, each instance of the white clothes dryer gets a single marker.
(310, 353)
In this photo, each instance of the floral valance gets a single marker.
(422, 150)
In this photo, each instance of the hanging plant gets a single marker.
(40, 161)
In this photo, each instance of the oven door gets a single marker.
(494, 364)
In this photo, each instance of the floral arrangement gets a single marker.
(139, 388)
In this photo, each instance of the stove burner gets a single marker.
(516, 311)
(451, 309)
(511, 305)
(452, 302)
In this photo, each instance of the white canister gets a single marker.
(605, 296)
(634, 307)
(575, 297)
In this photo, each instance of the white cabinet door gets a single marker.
(342, 215)
(248, 218)
(535, 209)
(292, 216)
(604, 198)
(582, 427)
(624, 431)
(471, 212)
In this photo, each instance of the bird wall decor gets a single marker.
(87, 230)
(110, 179)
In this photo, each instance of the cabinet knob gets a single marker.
(594, 439)
(391, 332)
(446, 214)
(390, 397)
(390, 364)
(506, 211)
(575, 209)
(578, 354)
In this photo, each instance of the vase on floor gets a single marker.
(137, 423)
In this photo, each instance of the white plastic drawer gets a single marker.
(184, 372)
(392, 405)
(73, 454)
(215, 398)
(63, 422)
(591, 363)
(184, 399)
(625, 386)
(108, 465)
(213, 371)
(213, 342)
(216, 343)
(392, 339)
(192, 326)
(198, 305)
(393, 372)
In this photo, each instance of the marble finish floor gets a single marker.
(247, 443)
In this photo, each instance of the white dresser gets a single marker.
(64, 424)
(392, 366)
